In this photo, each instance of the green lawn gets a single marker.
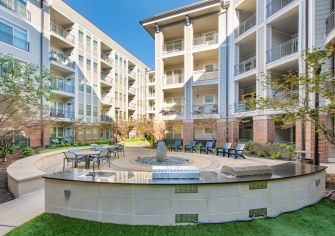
(58, 149)
(315, 220)
(131, 143)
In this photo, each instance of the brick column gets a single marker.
(233, 130)
(309, 138)
(188, 131)
(263, 129)
(323, 142)
(298, 135)
(221, 132)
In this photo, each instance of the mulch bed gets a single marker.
(5, 195)
(330, 186)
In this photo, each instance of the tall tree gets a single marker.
(22, 89)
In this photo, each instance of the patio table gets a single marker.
(86, 154)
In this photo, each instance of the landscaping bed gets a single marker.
(314, 220)
(5, 195)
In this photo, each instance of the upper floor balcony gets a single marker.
(106, 100)
(64, 85)
(61, 113)
(173, 47)
(203, 75)
(132, 90)
(173, 77)
(107, 79)
(205, 109)
(245, 26)
(62, 60)
(282, 50)
(330, 25)
(17, 6)
(245, 66)
(205, 39)
(172, 109)
(276, 5)
(105, 118)
(62, 33)
(105, 58)
(132, 105)
(151, 80)
(132, 74)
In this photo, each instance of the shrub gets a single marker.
(87, 143)
(101, 142)
(276, 155)
(27, 151)
(263, 153)
(61, 145)
(198, 146)
(250, 147)
(81, 143)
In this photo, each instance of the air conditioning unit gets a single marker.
(175, 172)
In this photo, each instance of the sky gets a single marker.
(120, 20)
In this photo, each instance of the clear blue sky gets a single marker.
(120, 20)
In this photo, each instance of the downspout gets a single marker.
(225, 6)
(41, 70)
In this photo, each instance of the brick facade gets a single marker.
(35, 136)
(221, 132)
(233, 130)
(188, 131)
(263, 129)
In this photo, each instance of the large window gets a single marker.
(13, 35)
(80, 134)
(88, 110)
(81, 109)
(95, 111)
(95, 133)
(174, 132)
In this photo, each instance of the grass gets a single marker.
(58, 149)
(130, 143)
(314, 220)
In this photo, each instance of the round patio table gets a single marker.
(86, 154)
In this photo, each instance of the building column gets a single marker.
(188, 67)
(188, 131)
(221, 132)
(263, 129)
(233, 130)
(298, 135)
(159, 71)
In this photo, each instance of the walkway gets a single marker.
(20, 210)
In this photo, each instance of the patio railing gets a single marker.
(60, 113)
(205, 109)
(282, 50)
(276, 5)
(245, 66)
(62, 32)
(173, 110)
(201, 75)
(245, 25)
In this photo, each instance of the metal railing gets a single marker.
(17, 7)
(106, 58)
(64, 87)
(280, 96)
(204, 40)
(61, 113)
(107, 78)
(176, 79)
(14, 41)
(61, 58)
(201, 75)
(132, 73)
(285, 49)
(105, 118)
(245, 25)
(276, 5)
(205, 109)
(242, 106)
(62, 32)
(330, 23)
(132, 89)
(245, 66)
(172, 47)
(132, 105)
(173, 110)
(107, 99)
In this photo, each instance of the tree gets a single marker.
(22, 88)
(293, 95)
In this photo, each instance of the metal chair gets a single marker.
(208, 147)
(223, 150)
(190, 146)
(99, 158)
(237, 152)
(176, 146)
(94, 147)
(73, 158)
(120, 149)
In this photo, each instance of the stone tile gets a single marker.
(85, 203)
(223, 190)
(116, 191)
(116, 205)
(152, 207)
(255, 202)
(281, 198)
(153, 192)
(57, 210)
(56, 199)
(87, 189)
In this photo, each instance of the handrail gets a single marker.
(276, 5)
(201, 75)
(202, 40)
(62, 32)
(284, 49)
(245, 25)
(245, 66)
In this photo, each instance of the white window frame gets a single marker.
(207, 95)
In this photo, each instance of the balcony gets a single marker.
(245, 66)
(63, 33)
(242, 106)
(105, 118)
(17, 7)
(205, 39)
(60, 113)
(205, 109)
(132, 74)
(106, 58)
(245, 26)
(276, 5)
(282, 50)
(106, 100)
(330, 23)
(175, 79)
(151, 80)
(173, 47)
(132, 105)
(61, 59)
(203, 75)
(107, 78)
(132, 90)
(151, 95)
(172, 110)
(64, 87)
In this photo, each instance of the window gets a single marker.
(208, 131)
(209, 68)
(81, 36)
(81, 109)
(88, 64)
(95, 67)
(88, 110)
(13, 35)
(88, 133)
(80, 134)
(209, 99)
(81, 85)
(88, 42)
(81, 60)
(88, 89)
(174, 132)
(95, 133)
(95, 47)
(95, 111)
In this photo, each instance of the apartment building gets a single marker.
(212, 56)
(98, 80)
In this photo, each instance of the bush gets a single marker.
(61, 145)
(198, 146)
(250, 147)
(276, 155)
(87, 143)
(27, 151)
(81, 144)
(101, 142)
(263, 153)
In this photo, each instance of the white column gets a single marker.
(159, 72)
(188, 67)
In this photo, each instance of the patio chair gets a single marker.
(99, 158)
(190, 146)
(223, 150)
(120, 149)
(176, 146)
(74, 159)
(94, 147)
(208, 147)
(237, 152)
(74, 150)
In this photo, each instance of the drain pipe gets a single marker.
(41, 70)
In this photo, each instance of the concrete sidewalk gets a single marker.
(18, 211)
(330, 167)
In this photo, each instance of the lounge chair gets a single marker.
(223, 150)
(73, 158)
(176, 146)
(190, 146)
(237, 152)
(208, 147)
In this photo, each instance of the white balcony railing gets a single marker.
(175, 79)
(105, 57)
(245, 66)
(282, 50)
(276, 5)
(205, 39)
(245, 25)
(205, 109)
(201, 75)
(61, 58)
(172, 109)
(62, 32)
(107, 99)
(172, 47)
(132, 89)
(107, 78)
